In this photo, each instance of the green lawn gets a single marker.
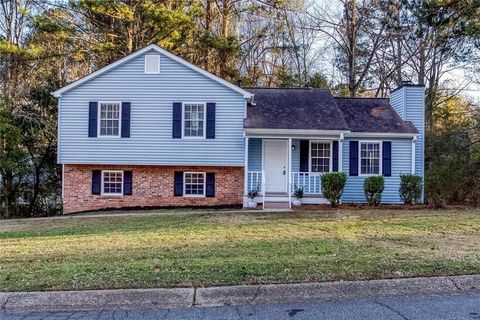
(220, 248)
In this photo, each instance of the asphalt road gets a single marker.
(451, 307)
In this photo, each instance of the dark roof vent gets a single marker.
(406, 82)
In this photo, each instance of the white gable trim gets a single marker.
(131, 56)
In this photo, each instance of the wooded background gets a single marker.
(352, 47)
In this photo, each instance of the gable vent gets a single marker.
(152, 63)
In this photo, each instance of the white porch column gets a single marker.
(289, 173)
(340, 153)
(245, 183)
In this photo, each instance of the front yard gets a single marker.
(221, 248)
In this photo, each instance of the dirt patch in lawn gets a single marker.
(450, 247)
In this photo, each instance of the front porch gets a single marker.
(277, 166)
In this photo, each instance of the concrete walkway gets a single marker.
(235, 295)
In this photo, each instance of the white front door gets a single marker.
(275, 165)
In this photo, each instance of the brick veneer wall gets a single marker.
(152, 186)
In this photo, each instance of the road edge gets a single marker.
(235, 295)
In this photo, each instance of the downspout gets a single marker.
(289, 173)
(413, 154)
(245, 184)
(58, 144)
(63, 181)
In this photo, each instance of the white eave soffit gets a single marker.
(313, 132)
(58, 93)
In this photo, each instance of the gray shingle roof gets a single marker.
(373, 115)
(281, 108)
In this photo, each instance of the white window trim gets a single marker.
(158, 63)
(102, 181)
(204, 185)
(204, 137)
(330, 164)
(380, 164)
(99, 119)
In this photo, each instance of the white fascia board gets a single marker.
(58, 93)
(380, 135)
(291, 132)
(150, 163)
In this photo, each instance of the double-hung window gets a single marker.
(109, 119)
(112, 182)
(194, 120)
(370, 158)
(194, 184)
(320, 156)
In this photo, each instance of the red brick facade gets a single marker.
(152, 187)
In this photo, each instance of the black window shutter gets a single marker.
(304, 153)
(125, 119)
(354, 158)
(127, 182)
(96, 181)
(210, 184)
(178, 184)
(177, 120)
(210, 120)
(92, 119)
(387, 158)
(335, 156)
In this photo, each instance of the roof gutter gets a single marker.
(380, 135)
(291, 132)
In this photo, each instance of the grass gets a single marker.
(221, 248)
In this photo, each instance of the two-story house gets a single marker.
(154, 130)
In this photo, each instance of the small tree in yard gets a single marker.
(410, 188)
(333, 184)
(373, 187)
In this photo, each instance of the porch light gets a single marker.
(293, 147)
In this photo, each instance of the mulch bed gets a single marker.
(355, 207)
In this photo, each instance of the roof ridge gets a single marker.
(287, 88)
(360, 98)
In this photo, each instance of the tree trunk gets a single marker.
(351, 8)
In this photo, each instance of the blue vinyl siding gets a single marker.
(401, 164)
(296, 155)
(151, 97)
(255, 154)
(409, 103)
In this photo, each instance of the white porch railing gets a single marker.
(310, 181)
(263, 189)
(255, 181)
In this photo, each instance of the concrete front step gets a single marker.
(276, 205)
(310, 199)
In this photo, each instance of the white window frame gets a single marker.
(330, 162)
(380, 164)
(102, 183)
(204, 120)
(99, 121)
(185, 184)
(158, 63)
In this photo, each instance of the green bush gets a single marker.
(298, 192)
(332, 186)
(373, 187)
(410, 188)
